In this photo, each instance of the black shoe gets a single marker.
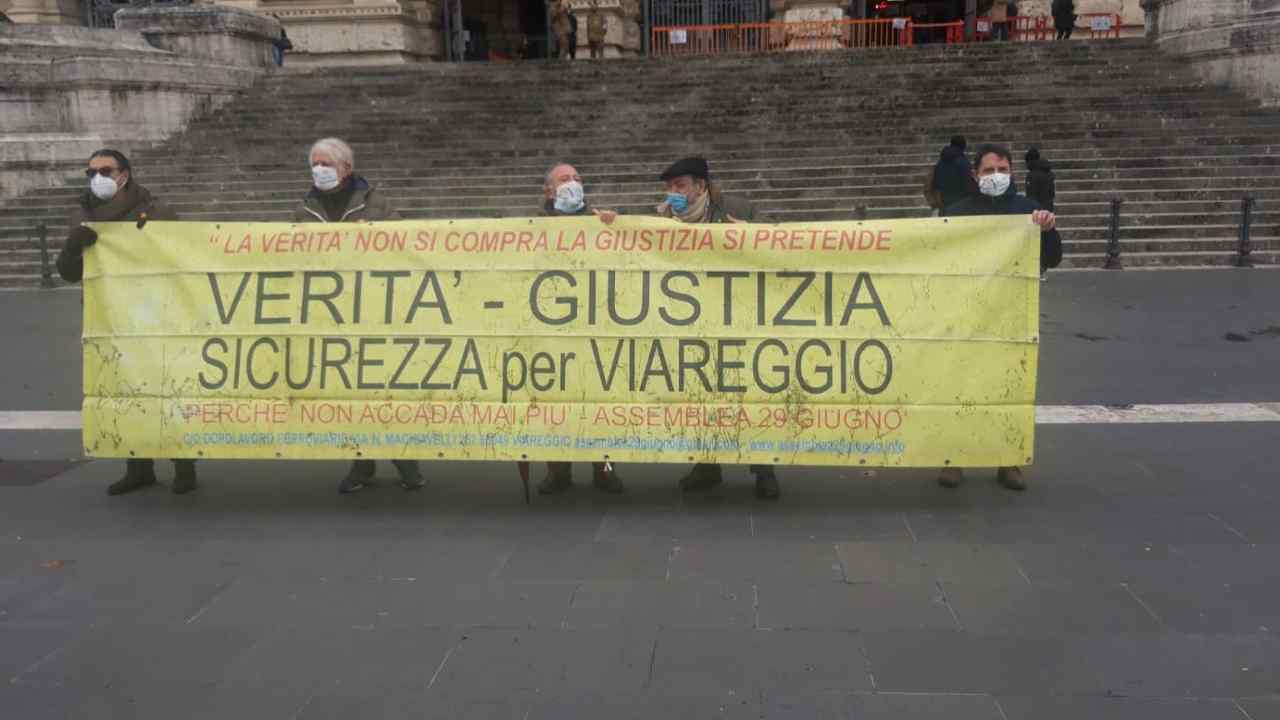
(1011, 478)
(607, 481)
(184, 476)
(701, 477)
(951, 478)
(357, 477)
(412, 480)
(558, 480)
(135, 477)
(767, 485)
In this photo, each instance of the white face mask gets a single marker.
(103, 187)
(324, 177)
(570, 197)
(994, 185)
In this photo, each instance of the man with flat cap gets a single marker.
(692, 198)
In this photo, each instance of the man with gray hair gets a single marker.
(339, 195)
(563, 195)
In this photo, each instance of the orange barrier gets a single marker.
(766, 37)
(778, 37)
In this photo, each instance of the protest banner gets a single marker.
(876, 343)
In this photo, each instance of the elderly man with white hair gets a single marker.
(339, 195)
(563, 195)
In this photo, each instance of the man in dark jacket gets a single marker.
(114, 196)
(563, 195)
(952, 175)
(1064, 18)
(338, 194)
(998, 196)
(1041, 186)
(692, 198)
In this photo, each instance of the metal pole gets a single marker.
(1246, 223)
(46, 269)
(1113, 242)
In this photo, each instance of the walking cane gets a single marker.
(523, 467)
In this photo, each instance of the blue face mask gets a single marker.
(678, 203)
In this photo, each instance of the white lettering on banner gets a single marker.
(679, 37)
(899, 23)
(984, 26)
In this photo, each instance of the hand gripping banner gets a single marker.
(877, 343)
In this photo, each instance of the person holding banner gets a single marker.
(338, 194)
(998, 196)
(563, 196)
(114, 196)
(692, 198)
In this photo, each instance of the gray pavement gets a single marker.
(1135, 579)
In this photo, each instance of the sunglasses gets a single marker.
(104, 172)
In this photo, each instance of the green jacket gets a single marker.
(130, 203)
(722, 206)
(366, 204)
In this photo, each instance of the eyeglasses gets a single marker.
(105, 172)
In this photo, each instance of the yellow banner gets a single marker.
(886, 343)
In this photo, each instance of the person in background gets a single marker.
(692, 198)
(282, 43)
(1000, 20)
(113, 195)
(597, 28)
(560, 25)
(952, 175)
(1064, 18)
(563, 196)
(338, 194)
(1040, 180)
(573, 31)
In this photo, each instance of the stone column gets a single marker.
(48, 12)
(1229, 42)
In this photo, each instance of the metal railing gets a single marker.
(767, 37)
(778, 37)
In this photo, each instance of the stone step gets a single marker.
(820, 136)
(1081, 190)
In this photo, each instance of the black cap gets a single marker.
(695, 166)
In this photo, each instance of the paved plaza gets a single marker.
(1138, 577)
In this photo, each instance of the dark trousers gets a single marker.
(406, 468)
(559, 469)
(753, 468)
(134, 465)
(597, 50)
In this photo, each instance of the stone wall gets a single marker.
(70, 90)
(1233, 42)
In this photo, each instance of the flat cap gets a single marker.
(694, 166)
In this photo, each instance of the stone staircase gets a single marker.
(822, 136)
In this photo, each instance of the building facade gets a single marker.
(388, 32)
